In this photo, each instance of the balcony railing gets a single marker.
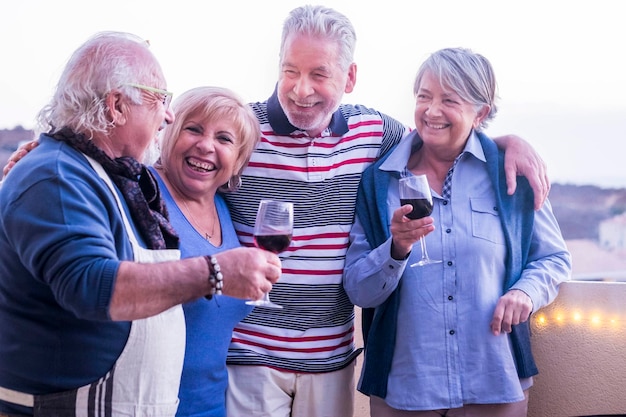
(608, 276)
(579, 342)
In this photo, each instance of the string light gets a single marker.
(585, 305)
(593, 319)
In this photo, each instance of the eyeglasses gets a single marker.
(167, 95)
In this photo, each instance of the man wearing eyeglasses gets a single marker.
(90, 277)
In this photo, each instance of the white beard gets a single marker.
(151, 154)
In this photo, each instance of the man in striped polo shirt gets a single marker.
(299, 361)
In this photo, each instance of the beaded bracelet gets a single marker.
(215, 276)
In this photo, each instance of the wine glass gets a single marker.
(272, 231)
(414, 190)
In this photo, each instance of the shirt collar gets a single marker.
(281, 125)
(474, 147)
(397, 161)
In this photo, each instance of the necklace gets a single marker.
(196, 224)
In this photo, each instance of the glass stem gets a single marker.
(424, 252)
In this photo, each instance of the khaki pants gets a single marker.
(265, 392)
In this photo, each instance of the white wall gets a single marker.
(579, 343)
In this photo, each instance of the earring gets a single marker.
(233, 184)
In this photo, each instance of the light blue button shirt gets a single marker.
(445, 354)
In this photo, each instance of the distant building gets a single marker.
(10, 139)
(612, 233)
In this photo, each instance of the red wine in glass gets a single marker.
(421, 207)
(415, 190)
(273, 243)
(272, 231)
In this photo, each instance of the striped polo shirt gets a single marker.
(314, 332)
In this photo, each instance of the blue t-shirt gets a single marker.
(209, 323)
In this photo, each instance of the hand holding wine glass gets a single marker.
(272, 231)
(415, 190)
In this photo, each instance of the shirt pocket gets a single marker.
(486, 220)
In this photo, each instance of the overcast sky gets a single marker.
(560, 64)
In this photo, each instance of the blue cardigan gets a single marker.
(379, 324)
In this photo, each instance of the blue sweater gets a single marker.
(61, 242)
(379, 324)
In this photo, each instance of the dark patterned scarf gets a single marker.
(139, 188)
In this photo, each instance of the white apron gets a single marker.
(145, 378)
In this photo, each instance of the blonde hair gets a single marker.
(214, 103)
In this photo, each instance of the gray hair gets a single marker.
(468, 74)
(106, 61)
(324, 22)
